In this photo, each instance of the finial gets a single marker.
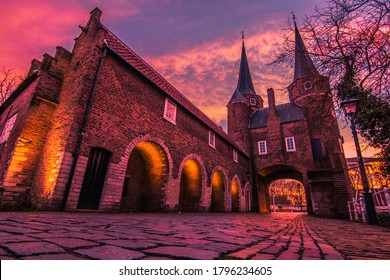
(293, 16)
(242, 35)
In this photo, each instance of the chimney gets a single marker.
(271, 100)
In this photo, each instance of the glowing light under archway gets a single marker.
(218, 186)
(235, 195)
(146, 174)
(190, 186)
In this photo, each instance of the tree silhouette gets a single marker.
(349, 41)
(8, 81)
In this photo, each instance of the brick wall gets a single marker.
(12, 152)
(128, 109)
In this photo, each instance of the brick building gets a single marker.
(98, 128)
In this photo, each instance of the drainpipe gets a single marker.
(82, 128)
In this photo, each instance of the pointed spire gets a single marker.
(245, 84)
(304, 66)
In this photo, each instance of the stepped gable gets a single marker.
(128, 55)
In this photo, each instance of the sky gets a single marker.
(195, 45)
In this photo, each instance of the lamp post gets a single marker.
(350, 107)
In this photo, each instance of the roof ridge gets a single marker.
(116, 37)
(168, 88)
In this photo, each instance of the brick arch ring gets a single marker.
(247, 187)
(224, 172)
(146, 138)
(202, 167)
(231, 183)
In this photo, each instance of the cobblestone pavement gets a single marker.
(281, 236)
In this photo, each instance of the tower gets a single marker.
(312, 91)
(329, 182)
(242, 103)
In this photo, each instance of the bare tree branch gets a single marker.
(8, 82)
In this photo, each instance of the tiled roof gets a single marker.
(244, 84)
(128, 55)
(304, 66)
(288, 112)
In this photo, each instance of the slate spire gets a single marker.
(245, 84)
(304, 66)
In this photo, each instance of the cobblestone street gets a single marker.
(281, 236)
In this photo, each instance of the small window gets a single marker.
(252, 101)
(212, 139)
(307, 85)
(290, 144)
(317, 148)
(170, 111)
(262, 147)
(235, 155)
(9, 124)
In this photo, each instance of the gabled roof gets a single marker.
(244, 84)
(288, 112)
(304, 66)
(129, 56)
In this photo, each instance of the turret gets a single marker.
(312, 91)
(242, 103)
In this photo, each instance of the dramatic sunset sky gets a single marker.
(195, 45)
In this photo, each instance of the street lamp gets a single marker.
(350, 107)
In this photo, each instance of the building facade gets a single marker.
(97, 128)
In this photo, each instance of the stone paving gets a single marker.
(280, 236)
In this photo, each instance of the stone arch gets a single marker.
(141, 138)
(235, 194)
(219, 188)
(192, 178)
(147, 166)
(271, 174)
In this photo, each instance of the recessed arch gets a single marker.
(218, 189)
(149, 138)
(192, 178)
(235, 194)
(270, 174)
(146, 175)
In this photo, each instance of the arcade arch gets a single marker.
(192, 181)
(235, 194)
(146, 175)
(218, 189)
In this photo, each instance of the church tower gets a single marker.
(242, 103)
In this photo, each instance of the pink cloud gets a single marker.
(206, 71)
(34, 27)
